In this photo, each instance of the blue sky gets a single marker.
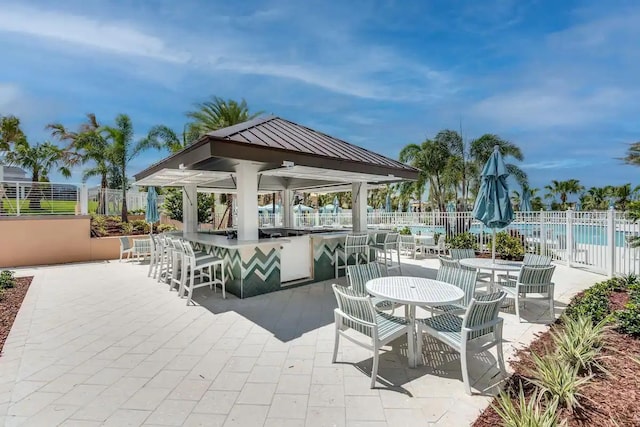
(559, 78)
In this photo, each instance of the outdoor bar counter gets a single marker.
(256, 267)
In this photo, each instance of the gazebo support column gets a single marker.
(287, 211)
(247, 197)
(359, 211)
(190, 208)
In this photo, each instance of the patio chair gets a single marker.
(356, 246)
(153, 258)
(141, 248)
(206, 266)
(359, 275)
(357, 312)
(479, 330)
(531, 280)
(437, 248)
(408, 245)
(451, 272)
(125, 248)
(391, 243)
(529, 259)
(462, 253)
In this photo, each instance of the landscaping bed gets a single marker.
(11, 297)
(609, 391)
(105, 226)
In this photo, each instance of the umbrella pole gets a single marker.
(493, 246)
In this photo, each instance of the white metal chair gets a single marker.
(141, 248)
(165, 258)
(531, 280)
(459, 254)
(125, 248)
(357, 312)
(391, 243)
(358, 276)
(408, 245)
(153, 259)
(206, 266)
(355, 246)
(462, 278)
(529, 259)
(479, 330)
(438, 248)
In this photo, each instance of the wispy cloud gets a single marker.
(559, 164)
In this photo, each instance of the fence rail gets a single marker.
(38, 198)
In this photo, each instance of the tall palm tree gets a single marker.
(481, 149)
(214, 114)
(10, 132)
(622, 195)
(121, 151)
(633, 154)
(87, 145)
(563, 189)
(39, 159)
(431, 157)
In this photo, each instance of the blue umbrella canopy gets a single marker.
(451, 207)
(302, 208)
(493, 205)
(387, 203)
(152, 215)
(525, 203)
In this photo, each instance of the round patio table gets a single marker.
(493, 266)
(414, 291)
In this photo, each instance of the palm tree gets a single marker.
(121, 151)
(481, 149)
(10, 132)
(633, 154)
(161, 136)
(431, 157)
(214, 114)
(622, 195)
(39, 159)
(87, 144)
(563, 189)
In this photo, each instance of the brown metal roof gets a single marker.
(275, 132)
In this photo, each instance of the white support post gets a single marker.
(190, 209)
(17, 199)
(287, 211)
(569, 237)
(611, 242)
(247, 196)
(84, 199)
(359, 207)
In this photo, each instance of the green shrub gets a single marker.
(7, 279)
(557, 379)
(165, 227)
(580, 342)
(628, 320)
(436, 237)
(126, 228)
(526, 414)
(98, 225)
(172, 205)
(508, 246)
(140, 226)
(405, 231)
(594, 302)
(463, 241)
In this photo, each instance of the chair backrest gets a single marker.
(357, 307)
(451, 272)
(407, 239)
(391, 238)
(448, 262)
(356, 243)
(448, 269)
(358, 275)
(535, 278)
(188, 250)
(124, 243)
(535, 259)
(462, 253)
(483, 310)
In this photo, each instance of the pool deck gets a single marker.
(102, 344)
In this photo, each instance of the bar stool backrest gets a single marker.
(356, 244)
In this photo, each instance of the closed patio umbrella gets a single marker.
(387, 203)
(151, 214)
(525, 203)
(493, 205)
(336, 205)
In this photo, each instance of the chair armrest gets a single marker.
(353, 319)
(484, 325)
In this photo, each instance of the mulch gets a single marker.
(607, 400)
(10, 304)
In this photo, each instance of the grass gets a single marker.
(46, 206)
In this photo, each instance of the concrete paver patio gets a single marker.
(102, 344)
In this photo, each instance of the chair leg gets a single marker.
(374, 370)
(552, 313)
(517, 304)
(120, 256)
(465, 369)
(499, 351)
(224, 285)
(336, 339)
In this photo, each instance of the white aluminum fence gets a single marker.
(109, 201)
(39, 198)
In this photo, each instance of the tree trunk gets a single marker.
(102, 197)
(34, 193)
(230, 210)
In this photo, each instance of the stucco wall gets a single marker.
(26, 241)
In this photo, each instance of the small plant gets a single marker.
(628, 319)
(436, 237)
(557, 380)
(580, 343)
(463, 241)
(594, 302)
(165, 227)
(140, 226)
(508, 246)
(526, 414)
(126, 228)
(405, 231)
(7, 279)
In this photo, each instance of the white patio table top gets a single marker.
(489, 264)
(414, 291)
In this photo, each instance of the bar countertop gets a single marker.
(223, 242)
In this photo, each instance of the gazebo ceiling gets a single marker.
(288, 155)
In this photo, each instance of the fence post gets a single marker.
(543, 233)
(84, 200)
(569, 248)
(611, 242)
(17, 199)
